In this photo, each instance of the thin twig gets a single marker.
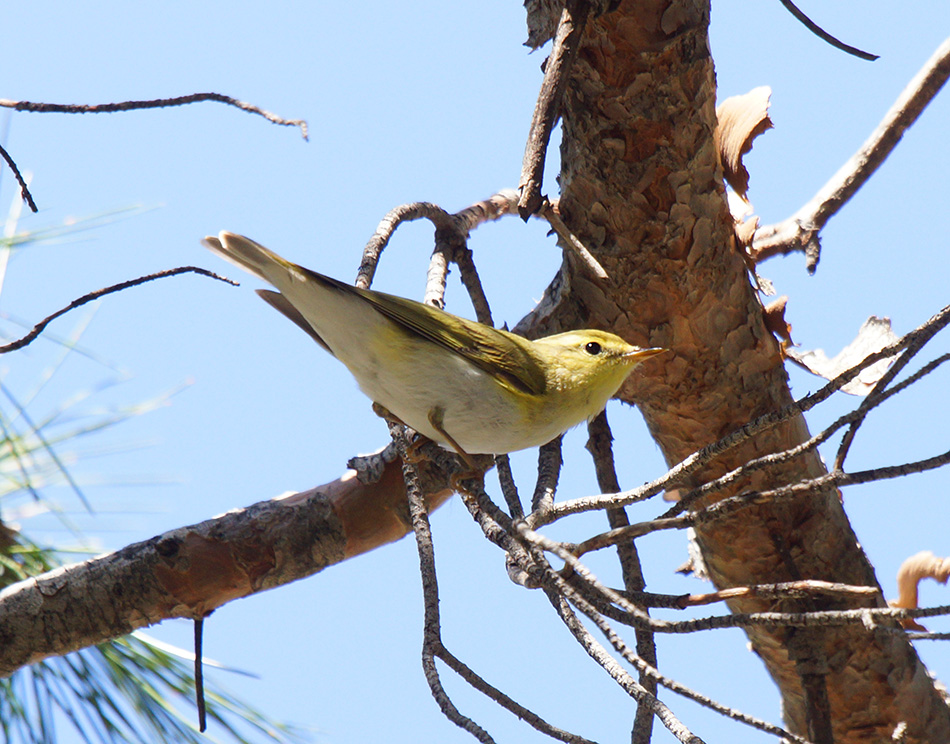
(508, 488)
(668, 683)
(547, 109)
(199, 674)
(549, 212)
(433, 647)
(21, 182)
(430, 589)
(814, 485)
(435, 278)
(854, 417)
(800, 232)
(549, 470)
(473, 285)
(557, 589)
(877, 395)
(495, 207)
(451, 236)
(610, 665)
(384, 231)
(107, 108)
(782, 590)
(824, 35)
(599, 444)
(38, 328)
(917, 636)
(638, 618)
(493, 693)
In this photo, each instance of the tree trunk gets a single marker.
(641, 186)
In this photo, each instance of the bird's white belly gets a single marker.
(474, 408)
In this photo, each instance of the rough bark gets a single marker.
(190, 571)
(641, 186)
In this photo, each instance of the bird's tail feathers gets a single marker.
(248, 255)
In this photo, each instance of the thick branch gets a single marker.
(190, 571)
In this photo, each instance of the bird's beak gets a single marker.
(643, 354)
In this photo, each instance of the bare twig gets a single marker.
(488, 210)
(499, 530)
(800, 232)
(430, 589)
(854, 417)
(610, 665)
(508, 488)
(824, 35)
(435, 278)
(108, 108)
(928, 636)
(547, 109)
(384, 231)
(549, 212)
(473, 285)
(599, 445)
(38, 328)
(783, 590)
(21, 182)
(673, 685)
(636, 617)
(880, 393)
(549, 470)
(512, 706)
(561, 589)
(451, 236)
(199, 674)
(814, 485)
(433, 647)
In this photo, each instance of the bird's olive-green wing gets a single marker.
(499, 353)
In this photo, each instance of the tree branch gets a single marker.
(547, 109)
(800, 232)
(108, 108)
(599, 444)
(190, 571)
(21, 182)
(79, 302)
(824, 35)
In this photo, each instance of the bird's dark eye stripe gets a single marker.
(592, 348)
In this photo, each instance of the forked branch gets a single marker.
(801, 231)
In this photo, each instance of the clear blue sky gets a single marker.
(424, 102)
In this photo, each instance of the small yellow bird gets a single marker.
(470, 387)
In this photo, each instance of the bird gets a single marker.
(468, 386)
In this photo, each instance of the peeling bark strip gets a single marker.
(190, 571)
(642, 189)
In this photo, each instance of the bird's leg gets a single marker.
(418, 440)
(435, 419)
(385, 414)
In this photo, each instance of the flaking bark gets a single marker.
(642, 189)
(190, 571)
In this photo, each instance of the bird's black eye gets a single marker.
(592, 348)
